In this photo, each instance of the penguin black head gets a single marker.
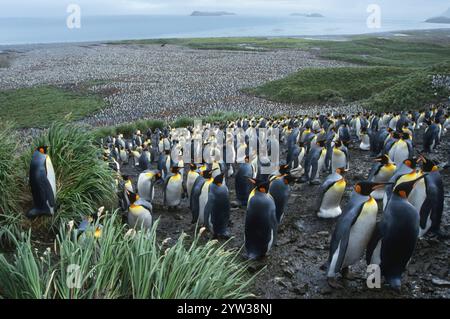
(405, 136)
(207, 173)
(411, 163)
(192, 166)
(133, 197)
(175, 169)
(341, 170)
(321, 143)
(428, 165)
(42, 149)
(404, 189)
(262, 185)
(338, 144)
(383, 159)
(365, 188)
(397, 134)
(218, 180)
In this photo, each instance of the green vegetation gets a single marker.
(40, 106)
(119, 264)
(10, 189)
(83, 180)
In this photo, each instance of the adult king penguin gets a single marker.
(146, 184)
(332, 190)
(139, 213)
(173, 188)
(260, 221)
(353, 231)
(217, 209)
(43, 184)
(395, 238)
(280, 190)
(428, 198)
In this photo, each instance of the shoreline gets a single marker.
(323, 37)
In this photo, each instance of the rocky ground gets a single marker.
(150, 81)
(293, 267)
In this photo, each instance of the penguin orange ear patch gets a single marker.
(402, 194)
(41, 150)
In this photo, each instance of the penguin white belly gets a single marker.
(330, 207)
(423, 231)
(365, 143)
(338, 161)
(51, 175)
(192, 176)
(269, 245)
(173, 191)
(418, 195)
(332, 268)
(145, 188)
(401, 153)
(320, 163)
(360, 233)
(203, 200)
(139, 217)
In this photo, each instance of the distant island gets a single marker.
(211, 14)
(308, 15)
(438, 20)
(443, 18)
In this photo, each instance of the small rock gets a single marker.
(326, 290)
(440, 282)
(288, 272)
(235, 204)
(178, 217)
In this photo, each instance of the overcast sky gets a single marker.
(416, 9)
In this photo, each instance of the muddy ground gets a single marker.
(293, 266)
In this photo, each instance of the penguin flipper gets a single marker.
(166, 181)
(373, 242)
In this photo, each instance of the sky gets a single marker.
(417, 9)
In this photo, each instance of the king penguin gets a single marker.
(395, 237)
(428, 198)
(353, 231)
(173, 188)
(331, 193)
(139, 213)
(260, 221)
(217, 209)
(243, 186)
(146, 184)
(381, 172)
(42, 183)
(280, 190)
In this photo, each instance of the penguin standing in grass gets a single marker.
(43, 184)
(139, 213)
(217, 209)
(395, 237)
(146, 184)
(260, 221)
(173, 188)
(428, 198)
(353, 231)
(381, 172)
(279, 189)
(331, 193)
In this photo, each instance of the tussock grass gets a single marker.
(120, 265)
(10, 183)
(83, 180)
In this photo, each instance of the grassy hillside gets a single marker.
(40, 106)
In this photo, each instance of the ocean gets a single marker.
(109, 28)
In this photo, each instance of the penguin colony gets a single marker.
(401, 200)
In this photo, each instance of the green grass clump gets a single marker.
(183, 122)
(331, 85)
(83, 179)
(10, 190)
(128, 129)
(40, 106)
(120, 264)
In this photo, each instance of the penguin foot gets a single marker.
(34, 213)
(440, 235)
(302, 180)
(333, 283)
